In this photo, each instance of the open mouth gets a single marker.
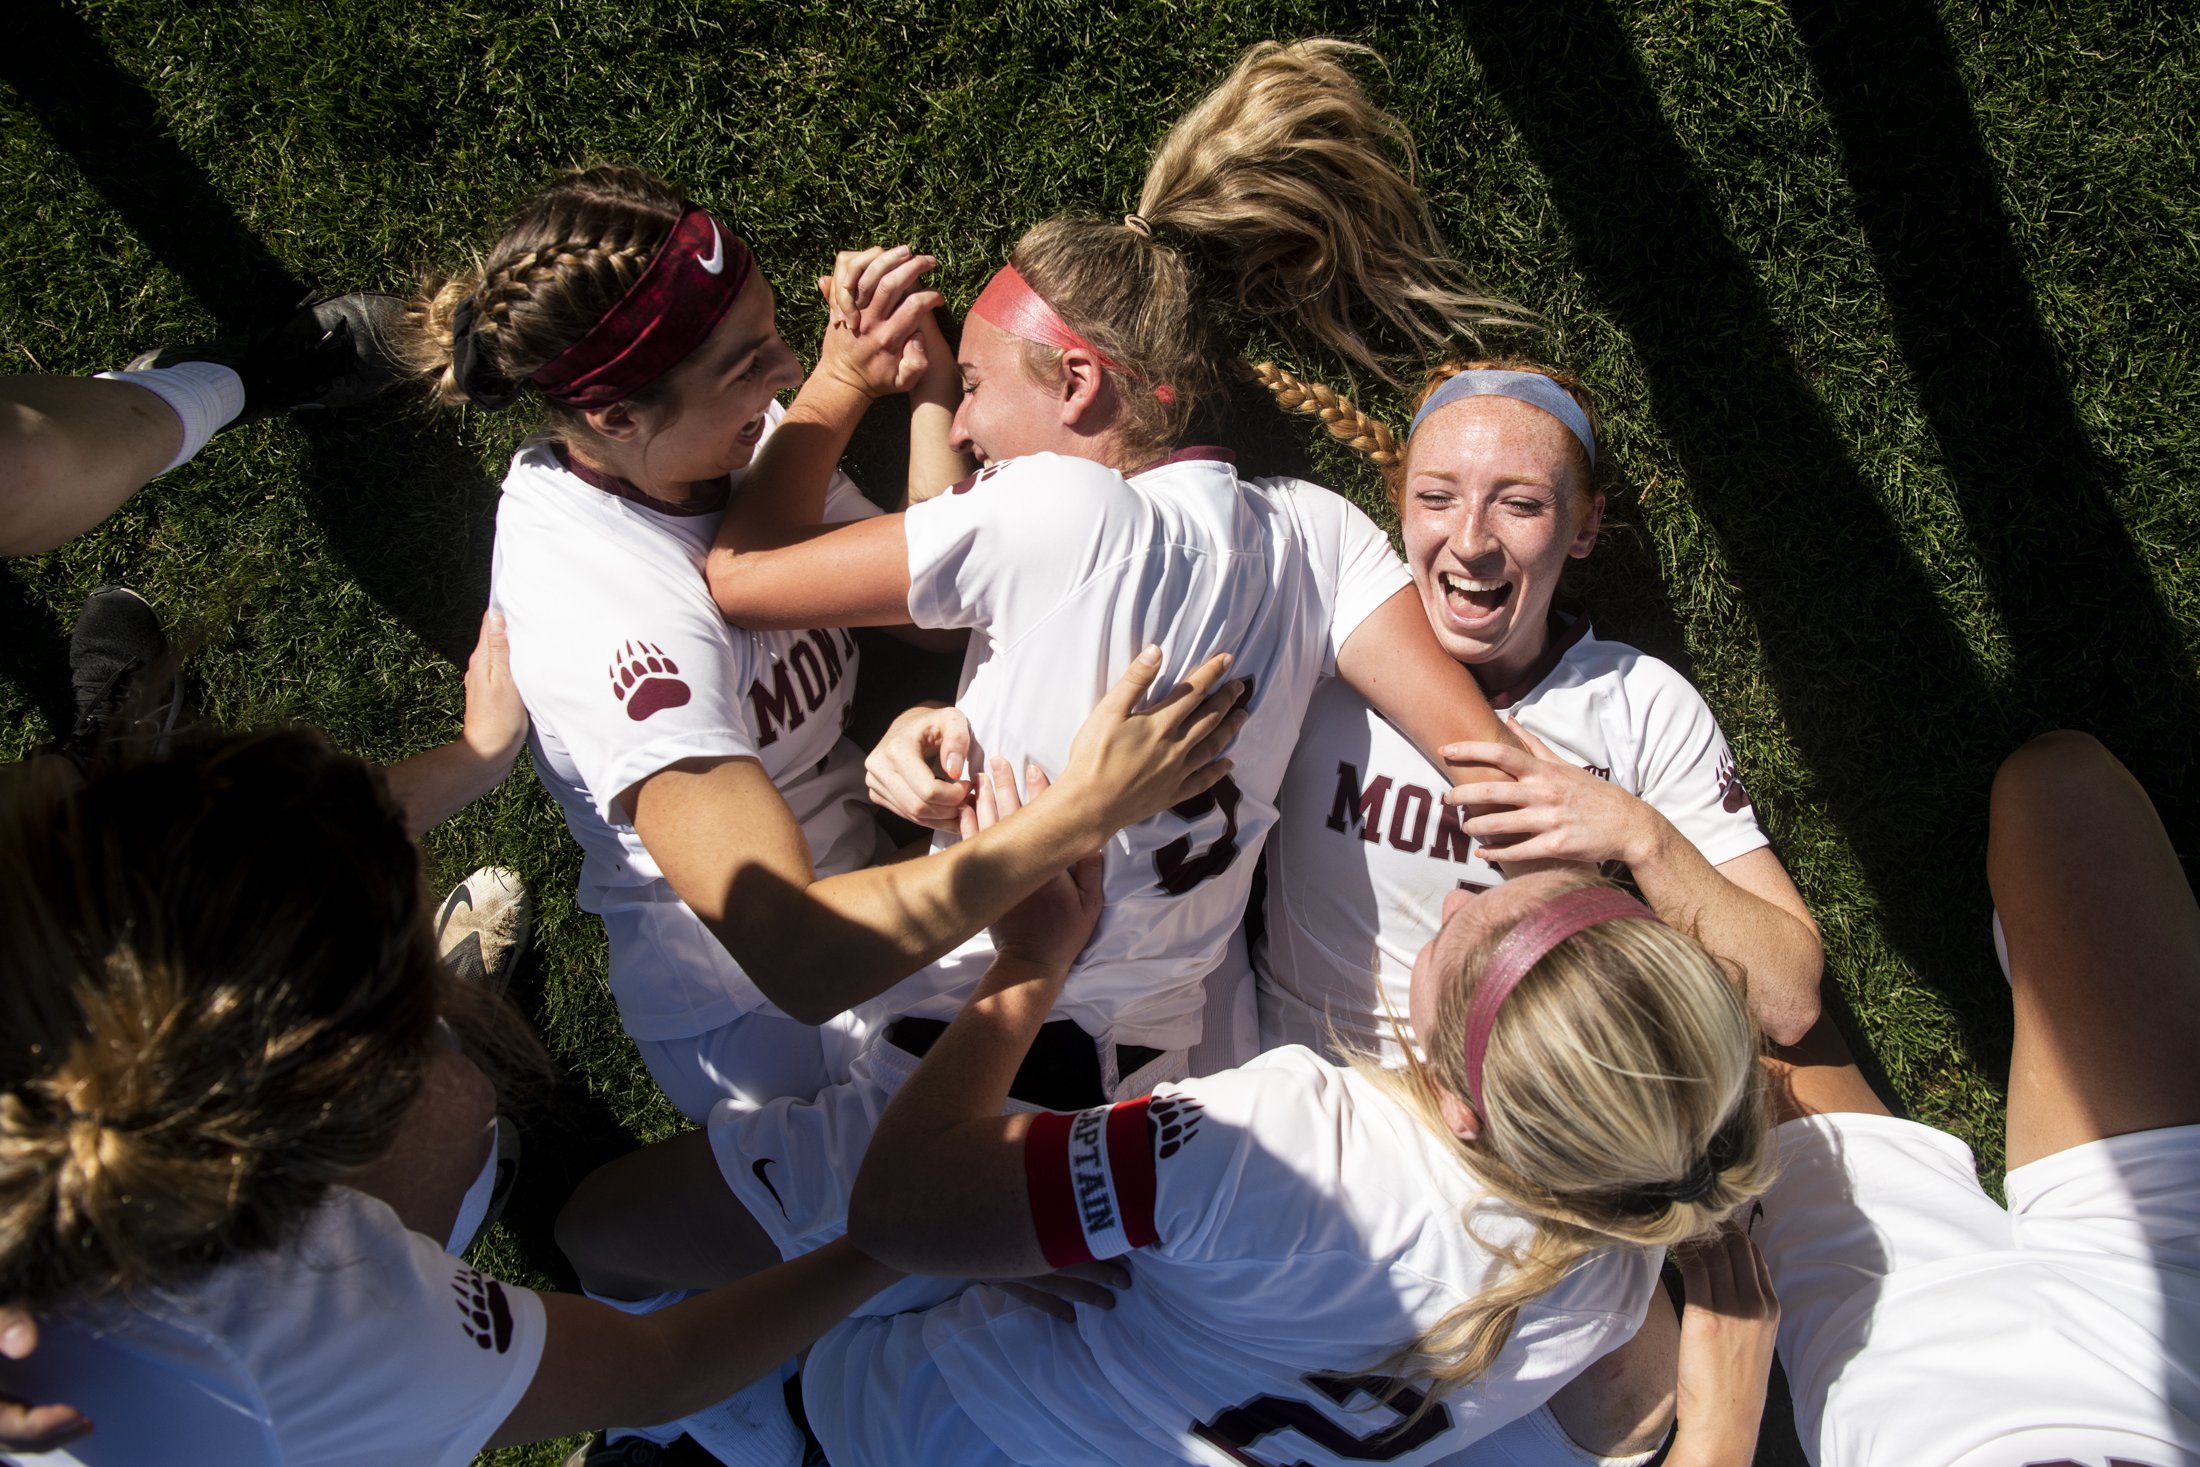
(752, 430)
(1471, 599)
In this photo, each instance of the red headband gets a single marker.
(679, 299)
(1524, 947)
(1009, 302)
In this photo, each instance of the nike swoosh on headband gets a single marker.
(716, 261)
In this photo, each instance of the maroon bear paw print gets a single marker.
(646, 680)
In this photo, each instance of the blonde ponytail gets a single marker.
(1625, 1058)
(1283, 201)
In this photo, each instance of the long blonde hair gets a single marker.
(1284, 199)
(1622, 1061)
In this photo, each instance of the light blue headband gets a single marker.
(1532, 388)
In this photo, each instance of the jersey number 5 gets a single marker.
(1177, 864)
(1234, 1431)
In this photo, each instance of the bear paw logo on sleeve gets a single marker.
(483, 1311)
(1732, 797)
(1175, 1120)
(646, 680)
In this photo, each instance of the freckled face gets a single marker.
(1495, 505)
(1005, 413)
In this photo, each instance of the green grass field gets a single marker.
(1892, 314)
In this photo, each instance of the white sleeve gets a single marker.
(377, 1346)
(846, 501)
(1686, 769)
(473, 1345)
(1002, 548)
(1369, 573)
(1151, 1172)
(630, 669)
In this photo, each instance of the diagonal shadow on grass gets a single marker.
(2094, 646)
(1883, 698)
(407, 510)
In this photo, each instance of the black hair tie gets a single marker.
(1725, 1145)
(483, 385)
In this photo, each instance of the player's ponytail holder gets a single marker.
(1655, 1197)
(1525, 946)
(484, 386)
(1009, 303)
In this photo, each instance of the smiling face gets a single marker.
(1496, 502)
(705, 416)
(1006, 412)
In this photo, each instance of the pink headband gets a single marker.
(1009, 302)
(1524, 947)
(679, 299)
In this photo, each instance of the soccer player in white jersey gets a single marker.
(238, 1135)
(1328, 1264)
(1922, 1323)
(1497, 488)
(701, 767)
(1091, 531)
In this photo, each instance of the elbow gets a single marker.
(798, 1000)
(1788, 1027)
(1797, 1012)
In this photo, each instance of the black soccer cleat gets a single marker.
(330, 354)
(120, 672)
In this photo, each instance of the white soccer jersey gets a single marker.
(626, 667)
(1064, 569)
(356, 1343)
(1289, 1227)
(1365, 848)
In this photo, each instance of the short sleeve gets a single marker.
(618, 651)
(1002, 548)
(473, 1345)
(845, 501)
(1687, 771)
(1369, 573)
(1152, 1172)
(1364, 570)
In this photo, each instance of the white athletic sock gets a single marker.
(205, 395)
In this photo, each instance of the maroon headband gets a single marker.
(681, 296)
(1524, 947)
(1009, 302)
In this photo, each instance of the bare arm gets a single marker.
(1393, 661)
(1745, 909)
(729, 846)
(946, 1119)
(435, 785)
(853, 575)
(1728, 1331)
(600, 1366)
(72, 450)
(879, 340)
